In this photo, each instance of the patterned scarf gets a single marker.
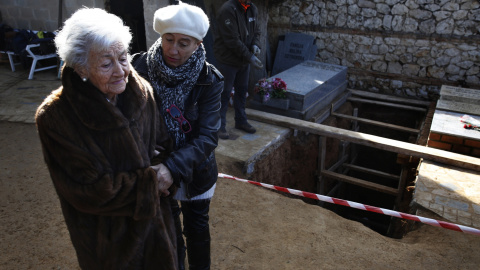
(172, 86)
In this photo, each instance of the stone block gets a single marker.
(467, 221)
(476, 209)
(311, 86)
(307, 114)
(279, 103)
(422, 202)
(457, 99)
(464, 214)
(437, 208)
(310, 81)
(448, 123)
(476, 223)
(450, 214)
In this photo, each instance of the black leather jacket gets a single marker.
(195, 164)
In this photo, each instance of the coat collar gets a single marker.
(204, 78)
(93, 109)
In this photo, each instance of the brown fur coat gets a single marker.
(98, 156)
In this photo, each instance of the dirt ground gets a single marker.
(251, 227)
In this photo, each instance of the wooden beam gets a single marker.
(389, 98)
(370, 171)
(360, 182)
(322, 145)
(400, 147)
(388, 104)
(377, 123)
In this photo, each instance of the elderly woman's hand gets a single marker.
(164, 178)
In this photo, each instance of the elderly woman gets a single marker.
(188, 91)
(99, 133)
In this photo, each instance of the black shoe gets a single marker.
(245, 127)
(223, 134)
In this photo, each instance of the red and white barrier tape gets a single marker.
(433, 222)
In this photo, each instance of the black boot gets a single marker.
(198, 249)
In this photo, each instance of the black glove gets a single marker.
(256, 50)
(256, 62)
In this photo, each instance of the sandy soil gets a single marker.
(252, 228)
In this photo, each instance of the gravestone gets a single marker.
(458, 99)
(293, 50)
(311, 86)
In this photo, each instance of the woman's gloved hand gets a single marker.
(256, 50)
(256, 62)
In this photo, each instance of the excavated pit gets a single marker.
(295, 164)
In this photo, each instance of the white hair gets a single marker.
(89, 29)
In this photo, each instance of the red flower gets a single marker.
(276, 88)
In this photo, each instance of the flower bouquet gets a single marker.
(470, 122)
(267, 89)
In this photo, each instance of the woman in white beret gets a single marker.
(99, 133)
(187, 90)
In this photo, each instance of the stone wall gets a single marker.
(407, 48)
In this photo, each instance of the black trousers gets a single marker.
(234, 77)
(196, 231)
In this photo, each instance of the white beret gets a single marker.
(182, 19)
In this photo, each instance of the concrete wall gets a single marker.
(397, 47)
(30, 14)
(41, 14)
(149, 8)
(44, 14)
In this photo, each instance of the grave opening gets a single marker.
(397, 173)
(295, 165)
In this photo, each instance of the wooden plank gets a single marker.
(400, 147)
(371, 171)
(388, 104)
(389, 98)
(322, 145)
(360, 182)
(401, 185)
(377, 123)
